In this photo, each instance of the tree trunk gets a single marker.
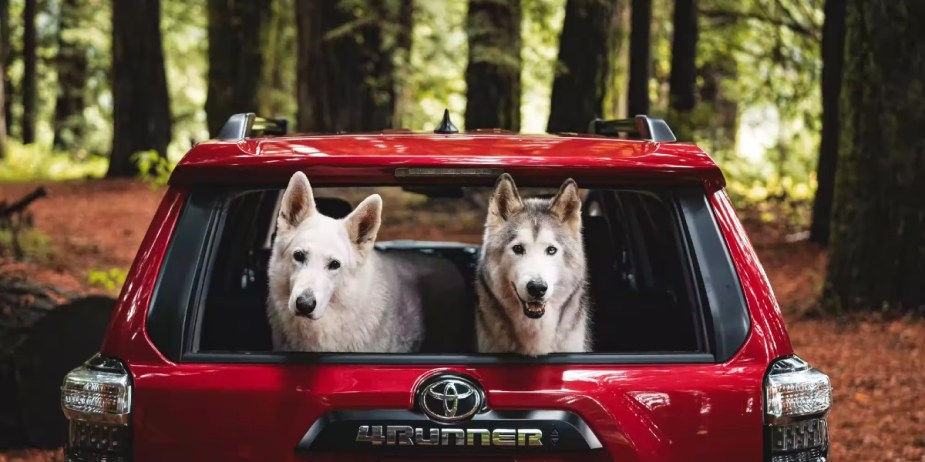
(833, 59)
(2, 101)
(6, 59)
(683, 79)
(493, 72)
(141, 109)
(877, 246)
(345, 71)
(723, 122)
(235, 58)
(403, 39)
(29, 95)
(72, 78)
(640, 58)
(584, 65)
(278, 82)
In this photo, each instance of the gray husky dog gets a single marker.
(330, 290)
(531, 274)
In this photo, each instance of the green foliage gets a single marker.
(93, 36)
(111, 279)
(278, 82)
(185, 42)
(437, 65)
(763, 61)
(759, 64)
(40, 162)
(33, 245)
(775, 199)
(153, 169)
(183, 25)
(542, 23)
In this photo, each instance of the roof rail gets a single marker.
(640, 127)
(249, 125)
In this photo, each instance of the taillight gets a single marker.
(797, 398)
(97, 400)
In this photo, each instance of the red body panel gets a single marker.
(357, 159)
(232, 412)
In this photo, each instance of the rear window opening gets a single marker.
(648, 252)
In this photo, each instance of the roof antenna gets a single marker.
(446, 126)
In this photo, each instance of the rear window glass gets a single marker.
(642, 289)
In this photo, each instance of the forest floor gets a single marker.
(877, 364)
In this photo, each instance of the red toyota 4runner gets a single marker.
(690, 361)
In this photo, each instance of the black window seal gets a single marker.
(692, 277)
(176, 280)
(729, 320)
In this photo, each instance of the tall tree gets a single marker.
(584, 64)
(402, 31)
(833, 59)
(493, 72)
(346, 75)
(29, 59)
(640, 57)
(278, 82)
(683, 79)
(6, 59)
(877, 246)
(235, 58)
(141, 110)
(2, 114)
(72, 77)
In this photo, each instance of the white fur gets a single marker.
(364, 306)
(535, 263)
(502, 325)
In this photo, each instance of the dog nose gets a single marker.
(537, 288)
(305, 304)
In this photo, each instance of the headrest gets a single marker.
(333, 207)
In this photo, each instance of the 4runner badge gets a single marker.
(450, 399)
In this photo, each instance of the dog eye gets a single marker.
(333, 265)
(299, 256)
(518, 249)
(551, 250)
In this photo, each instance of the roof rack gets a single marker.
(640, 127)
(249, 125)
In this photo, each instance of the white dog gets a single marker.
(331, 291)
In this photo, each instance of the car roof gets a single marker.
(372, 158)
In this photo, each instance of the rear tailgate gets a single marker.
(236, 412)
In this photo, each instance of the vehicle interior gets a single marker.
(641, 287)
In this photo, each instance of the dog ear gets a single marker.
(566, 206)
(298, 203)
(363, 223)
(505, 201)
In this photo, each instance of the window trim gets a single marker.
(176, 307)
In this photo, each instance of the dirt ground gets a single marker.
(877, 365)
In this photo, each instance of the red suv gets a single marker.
(690, 361)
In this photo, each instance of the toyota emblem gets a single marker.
(450, 398)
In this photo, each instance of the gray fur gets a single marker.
(372, 303)
(502, 324)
